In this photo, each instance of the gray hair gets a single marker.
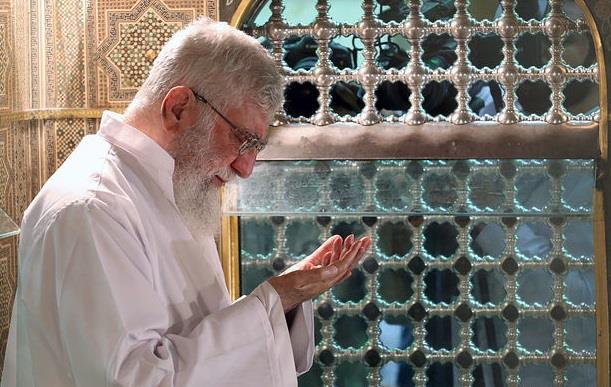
(223, 64)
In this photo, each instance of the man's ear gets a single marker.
(178, 110)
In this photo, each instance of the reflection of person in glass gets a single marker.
(119, 278)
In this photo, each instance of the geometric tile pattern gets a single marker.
(126, 42)
(68, 133)
(134, 39)
(62, 136)
(56, 67)
(137, 47)
(8, 274)
(23, 168)
(6, 173)
(65, 59)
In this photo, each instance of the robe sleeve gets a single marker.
(301, 331)
(115, 328)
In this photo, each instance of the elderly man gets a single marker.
(119, 279)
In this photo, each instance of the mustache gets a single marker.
(227, 174)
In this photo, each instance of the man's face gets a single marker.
(207, 159)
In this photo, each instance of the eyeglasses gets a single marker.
(249, 139)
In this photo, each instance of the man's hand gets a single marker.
(330, 264)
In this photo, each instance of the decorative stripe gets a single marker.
(54, 114)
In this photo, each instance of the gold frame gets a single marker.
(603, 366)
(230, 241)
(229, 238)
(54, 114)
(230, 254)
(240, 13)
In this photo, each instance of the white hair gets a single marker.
(225, 65)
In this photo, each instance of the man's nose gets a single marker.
(244, 164)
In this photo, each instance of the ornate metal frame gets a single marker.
(307, 141)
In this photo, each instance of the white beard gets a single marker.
(199, 203)
(196, 198)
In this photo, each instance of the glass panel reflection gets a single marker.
(257, 239)
(488, 286)
(580, 376)
(489, 374)
(580, 287)
(579, 336)
(395, 285)
(394, 239)
(487, 239)
(441, 332)
(537, 375)
(535, 334)
(500, 267)
(351, 374)
(350, 331)
(489, 333)
(535, 286)
(396, 332)
(578, 239)
(302, 237)
(397, 374)
(352, 289)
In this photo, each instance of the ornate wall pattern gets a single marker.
(71, 54)
(132, 43)
(65, 56)
(135, 28)
(8, 272)
(6, 183)
(61, 137)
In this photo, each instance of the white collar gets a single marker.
(155, 160)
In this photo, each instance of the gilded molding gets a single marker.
(240, 13)
(600, 214)
(230, 255)
(54, 114)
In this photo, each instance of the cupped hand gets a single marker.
(330, 264)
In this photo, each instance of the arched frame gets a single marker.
(291, 146)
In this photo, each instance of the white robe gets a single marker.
(114, 290)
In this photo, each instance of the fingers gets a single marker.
(337, 247)
(332, 244)
(333, 267)
(328, 245)
(326, 259)
(348, 242)
(366, 244)
(351, 258)
(352, 254)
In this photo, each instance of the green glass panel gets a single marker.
(501, 264)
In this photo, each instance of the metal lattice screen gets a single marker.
(481, 271)
(431, 60)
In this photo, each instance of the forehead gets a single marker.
(249, 117)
